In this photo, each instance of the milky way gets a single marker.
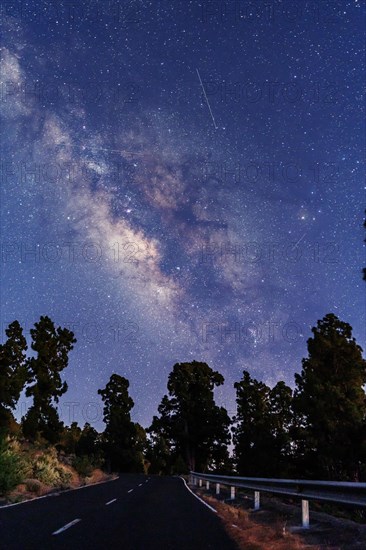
(181, 180)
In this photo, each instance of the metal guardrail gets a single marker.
(342, 492)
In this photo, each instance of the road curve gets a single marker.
(134, 512)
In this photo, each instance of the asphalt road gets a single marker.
(134, 512)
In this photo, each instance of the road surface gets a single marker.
(134, 512)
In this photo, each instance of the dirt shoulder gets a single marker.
(277, 526)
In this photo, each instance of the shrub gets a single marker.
(33, 485)
(48, 469)
(65, 477)
(11, 467)
(83, 466)
(45, 470)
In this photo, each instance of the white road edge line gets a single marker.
(67, 526)
(130, 491)
(58, 493)
(200, 499)
(110, 502)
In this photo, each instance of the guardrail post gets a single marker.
(207, 485)
(305, 513)
(217, 488)
(232, 493)
(200, 482)
(257, 501)
(194, 480)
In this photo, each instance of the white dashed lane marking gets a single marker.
(67, 526)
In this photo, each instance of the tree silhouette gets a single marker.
(251, 432)
(13, 372)
(89, 441)
(190, 423)
(364, 269)
(280, 419)
(52, 347)
(329, 403)
(70, 437)
(262, 430)
(121, 435)
(158, 455)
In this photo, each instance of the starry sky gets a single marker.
(181, 180)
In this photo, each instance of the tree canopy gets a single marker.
(329, 403)
(13, 371)
(52, 346)
(122, 439)
(262, 426)
(190, 422)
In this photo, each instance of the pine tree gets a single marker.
(52, 347)
(13, 372)
(192, 425)
(121, 435)
(262, 445)
(252, 430)
(89, 441)
(330, 404)
(158, 454)
(70, 437)
(280, 420)
(364, 269)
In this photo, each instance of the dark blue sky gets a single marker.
(181, 180)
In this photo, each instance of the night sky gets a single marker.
(181, 180)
